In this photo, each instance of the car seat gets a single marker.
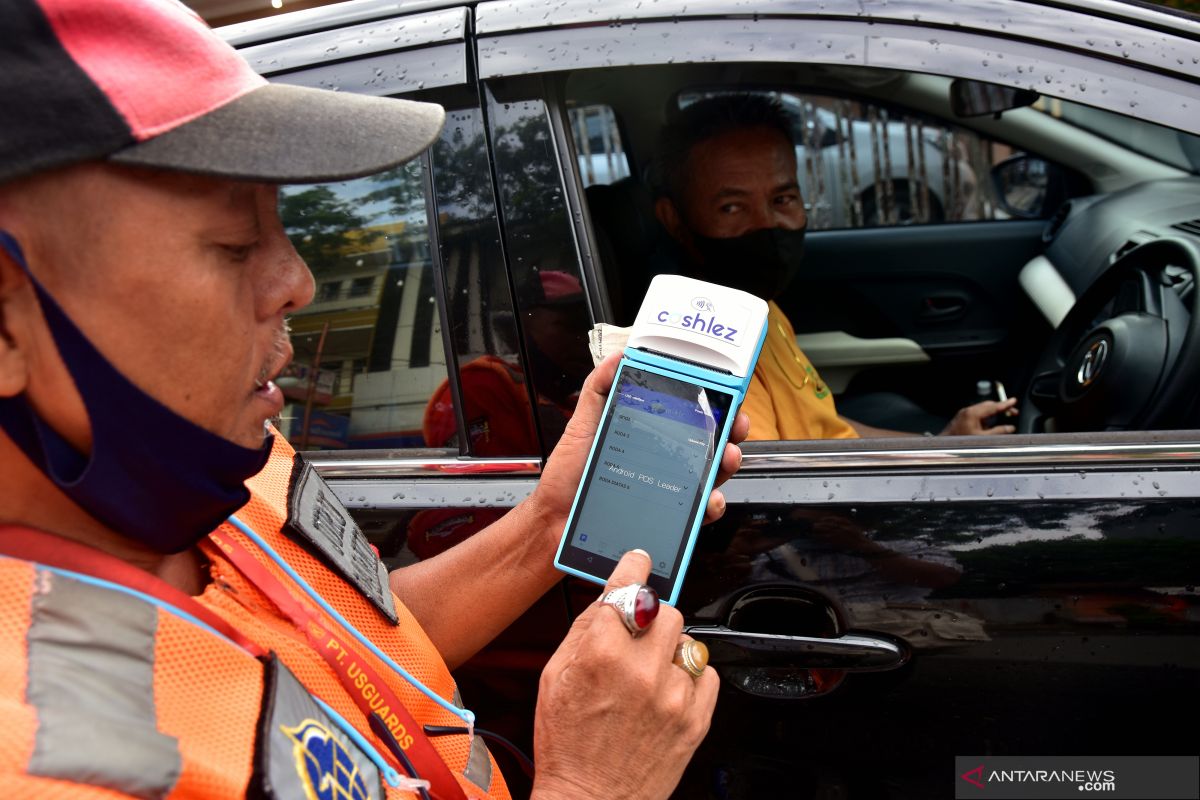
(630, 241)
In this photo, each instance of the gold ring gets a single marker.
(692, 657)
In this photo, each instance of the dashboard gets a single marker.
(1089, 233)
(1122, 352)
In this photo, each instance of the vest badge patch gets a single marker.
(326, 769)
(304, 754)
(319, 520)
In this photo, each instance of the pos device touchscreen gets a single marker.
(683, 374)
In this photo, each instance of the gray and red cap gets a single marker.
(147, 83)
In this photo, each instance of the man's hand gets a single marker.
(614, 716)
(564, 469)
(970, 420)
(516, 552)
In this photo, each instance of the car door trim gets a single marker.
(322, 18)
(453, 491)
(791, 456)
(842, 349)
(414, 31)
(997, 451)
(840, 355)
(393, 56)
(594, 277)
(790, 473)
(1076, 29)
(1139, 81)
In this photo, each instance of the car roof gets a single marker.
(336, 15)
(322, 18)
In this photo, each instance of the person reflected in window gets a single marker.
(727, 194)
(496, 404)
(495, 401)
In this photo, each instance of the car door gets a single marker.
(878, 609)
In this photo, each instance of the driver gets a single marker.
(187, 610)
(729, 198)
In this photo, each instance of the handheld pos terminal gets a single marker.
(683, 374)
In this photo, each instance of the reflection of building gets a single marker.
(381, 356)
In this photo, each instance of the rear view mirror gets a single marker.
(975, 98)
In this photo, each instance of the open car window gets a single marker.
(942, 254)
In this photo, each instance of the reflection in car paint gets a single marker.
(946, 575)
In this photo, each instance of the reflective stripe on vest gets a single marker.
(479, 765)
(91, 683)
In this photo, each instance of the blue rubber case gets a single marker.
(689, 372)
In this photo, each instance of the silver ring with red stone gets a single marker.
(636, 603)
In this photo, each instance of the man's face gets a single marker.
(738, 183)
(182, 282)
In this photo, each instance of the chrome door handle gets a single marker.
(851, 652)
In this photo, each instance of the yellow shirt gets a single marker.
(787, 398)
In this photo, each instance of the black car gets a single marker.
(997, 191)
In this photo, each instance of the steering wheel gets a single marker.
(1127, 355)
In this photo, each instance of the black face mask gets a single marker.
(761, 262)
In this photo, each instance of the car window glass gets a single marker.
(1165, 144)
(492, 388)
(552, 306)
(369, 348)
(598, 148)
(864, 164)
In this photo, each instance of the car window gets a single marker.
(369, 348)
(543, 259)
(866, 164)
(920, 294)
(490, 400)
(1177, 148)
(598, 148)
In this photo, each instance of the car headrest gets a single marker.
(629, 235)
(626, 208)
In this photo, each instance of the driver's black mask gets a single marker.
(762, 262)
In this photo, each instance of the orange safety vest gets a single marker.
(106, 694)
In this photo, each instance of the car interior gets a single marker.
(1037, 248)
